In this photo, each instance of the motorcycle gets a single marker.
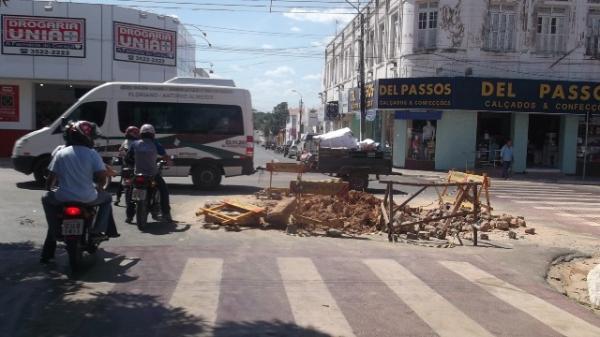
(77, 221)
(145, 196)
(126, 180)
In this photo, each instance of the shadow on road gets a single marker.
(40, 301)
(165, 228)
(188, 189)
(264, 328)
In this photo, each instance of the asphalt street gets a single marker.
(183, 280)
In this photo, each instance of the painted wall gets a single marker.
(98, 65)
(568, 144)
(400, 142)
(456, 137)
(519, 135)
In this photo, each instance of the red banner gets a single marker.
(9, 103)
(43, 36)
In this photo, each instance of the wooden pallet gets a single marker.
(218, 214)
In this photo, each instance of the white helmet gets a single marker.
(147, 128)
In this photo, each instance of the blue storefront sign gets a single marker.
(487, 94)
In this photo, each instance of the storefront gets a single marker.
(52, 53)
(462, 122)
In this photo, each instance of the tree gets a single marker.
(280, 116)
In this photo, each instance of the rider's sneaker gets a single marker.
(129, 220)
(113, 235)
(166, 218)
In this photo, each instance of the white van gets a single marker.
(208, 128)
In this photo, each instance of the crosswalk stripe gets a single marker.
(198, 288)
(561, 321)
(543, 197)
(568, 208)
(532, 190)
(311, 302)
(579, 219)
(589, 202)
(441, 315)
(588, 215)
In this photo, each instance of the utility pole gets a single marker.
(300, 114)
(361, 66)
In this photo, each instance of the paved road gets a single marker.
(182, 280)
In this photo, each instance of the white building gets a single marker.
(54, 52)
(292, 126)
(458, 44)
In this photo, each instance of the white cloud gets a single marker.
(323, 43)
(266, 46)
(295, 29)
(280, 72)
(325, 16)
(311, 77)
(236, 67)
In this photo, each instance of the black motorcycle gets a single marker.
(146, 196)
(75, 231)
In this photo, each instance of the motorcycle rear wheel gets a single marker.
(75, 254)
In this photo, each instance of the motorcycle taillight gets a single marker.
(139, 180)
(72, 211)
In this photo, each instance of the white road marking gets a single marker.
(311, 302)
(198, 288)
(595, 215)
(532, 190)
(441, 315)
(561, 321)
(544, 197)
(569, 208)
(589, 202)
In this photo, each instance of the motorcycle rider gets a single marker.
(74, 169)
(144, 153)
(132, 133)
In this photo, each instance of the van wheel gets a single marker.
(40, 173)
(206, 177)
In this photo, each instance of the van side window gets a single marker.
(89, 111)
(183, 117)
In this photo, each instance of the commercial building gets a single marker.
(54, 52)
(449, 81)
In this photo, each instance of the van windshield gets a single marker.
(94, 112)
(183, 117)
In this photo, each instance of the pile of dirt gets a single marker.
(568, 275)
(354, 213)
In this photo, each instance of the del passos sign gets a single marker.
(43, 36)
(141, 44)
(489, 94)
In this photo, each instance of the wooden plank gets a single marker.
(245, 207)
(319, 187)
(286, 167)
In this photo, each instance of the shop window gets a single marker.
(394, 29)
(551, 30)
(593, 36)
(500, 32)
(94, 112)
(493, 130)
(421, 144)
(542, 141)
(183, 117)
(427, 25)
(593, 146)
(381, 50)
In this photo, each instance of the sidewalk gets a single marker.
(556, 178)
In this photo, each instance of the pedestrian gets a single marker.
(506, 154)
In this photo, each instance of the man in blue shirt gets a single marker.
(74, 169)
(144, 153)
(506, 154)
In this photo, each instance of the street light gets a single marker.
(300, 117)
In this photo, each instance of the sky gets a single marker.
(269, 53)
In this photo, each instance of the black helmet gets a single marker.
(81, 133)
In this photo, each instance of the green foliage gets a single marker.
(271, 122)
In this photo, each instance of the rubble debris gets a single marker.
(512, 235)
(334, 233)
(214, 227)
(483, 236)
(280, 214)
(530, 231)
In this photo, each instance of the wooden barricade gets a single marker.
(451, 194)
